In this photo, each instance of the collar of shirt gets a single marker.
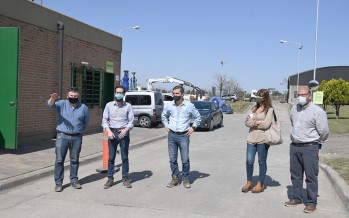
(305, 106)
(174, 103)
(116, 104)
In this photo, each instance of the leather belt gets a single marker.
(179, 133)
(304, 144)
(69, 134)
(116, 129)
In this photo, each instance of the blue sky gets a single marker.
(188, 39)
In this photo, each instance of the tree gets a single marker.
(336, 92)
(220, 82)
(232, 86)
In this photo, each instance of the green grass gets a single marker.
(341, 166)
(239, 106)
(340, 125)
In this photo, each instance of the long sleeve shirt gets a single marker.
(178, 118)
(309, 124)
(71, 120)
(118, 116)
(256, 133)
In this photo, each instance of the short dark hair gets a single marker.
(120, 87)
(73, 89)
(179, 87)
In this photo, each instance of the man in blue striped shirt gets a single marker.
(118, 121)
(176, 118)
(73, 119)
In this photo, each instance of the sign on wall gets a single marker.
(318, 97)
(109, 67)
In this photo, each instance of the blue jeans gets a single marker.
(305, 159)
(262, 150)
(63, 143)
(180, 142)
(124, 146)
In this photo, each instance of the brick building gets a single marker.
(55, 52)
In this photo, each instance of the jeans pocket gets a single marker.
(59, 135)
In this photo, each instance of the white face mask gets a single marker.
(302, 100)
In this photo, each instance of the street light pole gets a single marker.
(313, 84)
(300, 46)
(134, 27)
(316, 31)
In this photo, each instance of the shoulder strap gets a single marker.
(273, 113)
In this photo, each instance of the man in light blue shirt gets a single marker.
(118, 121)
(73, 119)
(176, 118)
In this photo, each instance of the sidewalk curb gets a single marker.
(339, 185)
(48, 171)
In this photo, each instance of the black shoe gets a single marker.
(76, 185)
(109, 183)
(58, 188)
(126, 183)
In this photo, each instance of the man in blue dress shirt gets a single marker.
(118, 121)
(73, 119)
(176, 118)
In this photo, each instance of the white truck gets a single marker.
(253, 95)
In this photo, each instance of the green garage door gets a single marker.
(9, 47)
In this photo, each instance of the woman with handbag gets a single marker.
(258, 121)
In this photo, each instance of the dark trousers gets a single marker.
(124, 146)
(305, 160)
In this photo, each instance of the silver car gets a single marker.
(147, 107)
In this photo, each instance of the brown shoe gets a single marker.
(186, 183)
(310, 208)
(109, 183)
(126, 183)
(258, 188)
(174, 182)
(292, 203)
(247, 187)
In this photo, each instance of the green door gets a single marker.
(9, 48)
(108, 88)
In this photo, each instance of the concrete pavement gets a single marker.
(32, 162)
(217, 175)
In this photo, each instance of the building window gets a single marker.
(96, 86)
(89, 82)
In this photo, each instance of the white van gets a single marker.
(253, 95)
(147, 107)
(168, 98)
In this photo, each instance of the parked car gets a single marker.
(230, 97)
(147, 107)
(211, 114)
(168, 98)
(226, 108)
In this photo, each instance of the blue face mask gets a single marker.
(119, 96)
